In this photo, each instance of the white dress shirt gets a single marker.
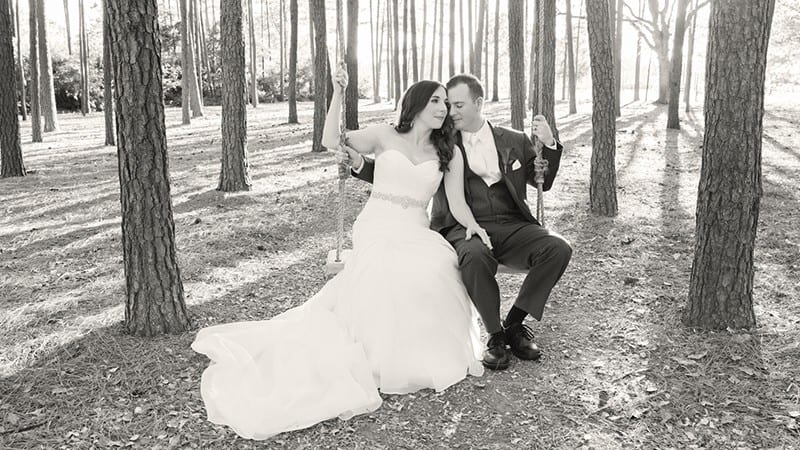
(482, 154)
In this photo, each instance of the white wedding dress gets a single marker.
(397, 319)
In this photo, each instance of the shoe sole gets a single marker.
(522, 356)
(499, 366)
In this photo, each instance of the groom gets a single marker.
(500, 162)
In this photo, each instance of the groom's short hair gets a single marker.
(472, 82)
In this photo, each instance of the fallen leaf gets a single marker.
(683, 361)
(698, 355)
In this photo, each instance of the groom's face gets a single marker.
(464, 109)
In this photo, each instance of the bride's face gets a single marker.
(435, 112)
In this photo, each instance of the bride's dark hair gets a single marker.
(415, 99)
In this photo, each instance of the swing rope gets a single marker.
(342, 166)
(540, 163)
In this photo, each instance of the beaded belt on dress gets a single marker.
(401, 200)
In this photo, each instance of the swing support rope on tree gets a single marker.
(335, 259)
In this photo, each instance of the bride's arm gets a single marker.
(363, 141)
(454, 189)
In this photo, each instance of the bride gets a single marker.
(395, 320)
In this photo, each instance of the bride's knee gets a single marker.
(476, 255)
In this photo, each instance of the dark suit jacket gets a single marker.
(512, 145)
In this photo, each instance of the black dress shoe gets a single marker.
(496, 356)
(520, 338)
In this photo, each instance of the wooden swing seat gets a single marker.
(332, 266)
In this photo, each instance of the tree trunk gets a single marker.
(477, 53)
(198, 48)
(405, 45)
(108, 75)
(663, 72)
(233, 174)
(373, 42)
(424, 39)
(67, 23)
(320, 72)
(283, 50)
(293, 19)
(46, 91)
(414, 56)
(647, 77)
(533, 75)
(689, 58)
(434, 36)
(573, 108)
(451, 57)
(396, 51)
(11, 164)
(516, 55)
(485, 38)
(463, 31)
(189, 86)
(155, 300)
(603, 177)
(496, 65)
(470, 33)
(546, 69)
(83, 59)
(673, 122)
(351, 60)
(33, 61)
(729, 195)
(20, 67)
(440, 58)
(389, 53)
(637, 75)
(251, 33)
(618, 59)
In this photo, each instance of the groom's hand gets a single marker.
(346, 155)
(542, 131)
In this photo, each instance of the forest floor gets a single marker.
(619, 369)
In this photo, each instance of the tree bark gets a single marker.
(155, 300)
(463, 31)
(253, 56)
(434, 36)
(11, 163)
(414, 55)
(283, 50)
(320, 72)
(234, 174)
(424, 39)
(46, 91)
(20, 67)
(573, 108)
(689, 57)
(190, 97)
(34, 87)
(477, 53)
(729, 195)
(396, 51)
(496, 66)
(83, 59)
(405, 45)
(67, 23)
(108, 76)
(618, 59)
(637, 70)
(516, 55)
(293, 19)
(351, 60)
(603, 177)
(451, 57)
(673, 121)
(440, 58)
(533, 74)
(546, 93)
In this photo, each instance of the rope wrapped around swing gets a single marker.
(540, 164)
